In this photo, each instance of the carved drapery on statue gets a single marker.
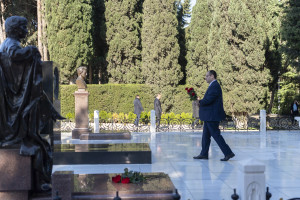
(21, 94)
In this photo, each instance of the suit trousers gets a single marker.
(136, 122)
(158, 117)
(211, 129)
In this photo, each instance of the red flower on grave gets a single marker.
(116, 179)
(193, 94)
(186, 88)
(126, 180)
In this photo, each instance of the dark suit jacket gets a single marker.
(138, 108)
(157, 107)
(211, 106)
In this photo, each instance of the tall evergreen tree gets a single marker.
(69, 33)
(290, 31)
(186, 7)
(99, 63)
(236, 51)
(25, 8)
(182, 13)
(123, 22)
(160, 51)
(197, 45)
(289, 74)
(273, 55)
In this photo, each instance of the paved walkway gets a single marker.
(212, 179)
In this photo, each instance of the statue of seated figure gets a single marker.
(21, 96)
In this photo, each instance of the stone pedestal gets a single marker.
(81, 113)
(252, 183)
(96, 121)
(263, 122)
(15, 174)
(63, 183)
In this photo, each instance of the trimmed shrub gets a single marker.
(117, 98)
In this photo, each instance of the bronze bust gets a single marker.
(80, 81)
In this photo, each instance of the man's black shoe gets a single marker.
(228, 157)
(201, 157)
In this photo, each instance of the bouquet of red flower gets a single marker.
(191, 92)
(129, 177)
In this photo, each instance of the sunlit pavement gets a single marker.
(211, 179)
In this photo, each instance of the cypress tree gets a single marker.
(197, 45)
(290, 31)
(273, 55)
(123, 22)
(236, 51)
(99, 64)
(69, 34)
(182, 13)
(289, 78)
(160, 51)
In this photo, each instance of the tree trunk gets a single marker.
(40, 36)
(44, 31)
(272, 98)
(90, 75)
(2, 22)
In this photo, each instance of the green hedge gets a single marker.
(117, 98)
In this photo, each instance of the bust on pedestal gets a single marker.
(81, 105)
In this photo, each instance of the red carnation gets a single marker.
(116, 179)
(186, 88)
(193, 94)
(191, 88)
(126, 180)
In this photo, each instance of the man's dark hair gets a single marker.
(213, 72)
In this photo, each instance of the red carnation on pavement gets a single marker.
(126, 180)
(186, 88)
(116, 179)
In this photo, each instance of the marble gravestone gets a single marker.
(81, 105)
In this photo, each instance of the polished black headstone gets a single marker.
(123, 153)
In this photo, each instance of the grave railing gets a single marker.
(187, 124)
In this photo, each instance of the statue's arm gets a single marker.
(16, 53)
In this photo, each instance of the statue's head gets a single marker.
(81, 71)
(16, 27)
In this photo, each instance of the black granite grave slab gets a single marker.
(100, 186)
(106, 135)
(124, 153)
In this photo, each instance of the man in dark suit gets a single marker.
(138, 108)
(157, 108)
(212, 112)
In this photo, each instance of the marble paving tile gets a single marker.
(211, 179)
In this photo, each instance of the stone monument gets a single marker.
(25, 112)
(252, 180)
(81, 105)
